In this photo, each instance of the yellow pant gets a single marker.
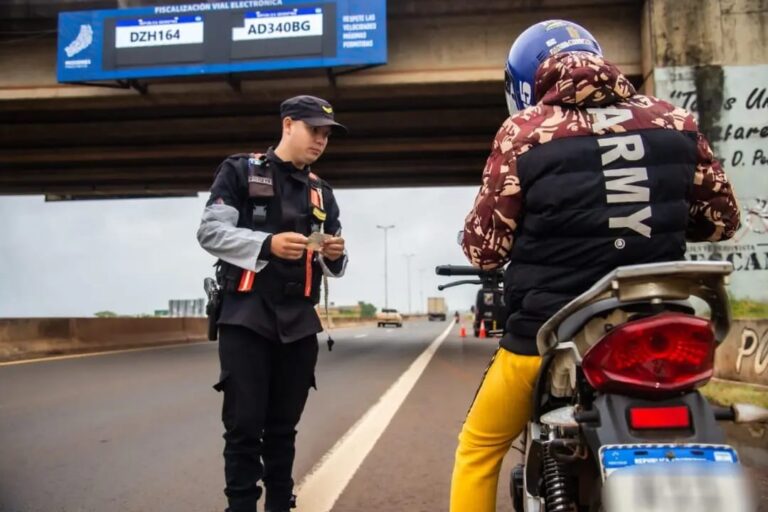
(498, 415)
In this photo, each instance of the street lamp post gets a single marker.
(408, 273)
(421, 288)
(386, 291)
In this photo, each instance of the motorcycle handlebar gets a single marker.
(463, 270)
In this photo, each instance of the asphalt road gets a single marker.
(140, 430)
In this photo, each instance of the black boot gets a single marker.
(291, 504)
(244, 503)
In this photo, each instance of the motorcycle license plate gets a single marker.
(657, 478)
(617, 456)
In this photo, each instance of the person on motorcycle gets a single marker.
(584, 176)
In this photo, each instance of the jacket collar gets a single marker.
(301, 175)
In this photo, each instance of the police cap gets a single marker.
(312, 110)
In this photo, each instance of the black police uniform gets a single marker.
(268, 335)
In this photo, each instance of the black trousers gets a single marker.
(265, 385)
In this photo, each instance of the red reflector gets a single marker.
(666, 352)
(659, 417)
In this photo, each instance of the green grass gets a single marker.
(745, 308)
(727, 393)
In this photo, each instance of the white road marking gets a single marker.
(104, 353)
(323, 485)
(360, 335)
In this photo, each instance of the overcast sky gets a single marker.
(131, 256)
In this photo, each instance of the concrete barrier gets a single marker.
(743, 356)
(27, 338)
(337, 323)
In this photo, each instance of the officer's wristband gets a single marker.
(266, 249)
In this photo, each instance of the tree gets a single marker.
(105, 314)
(367, 310)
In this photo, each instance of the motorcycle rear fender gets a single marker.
(613, 426)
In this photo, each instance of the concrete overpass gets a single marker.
(425, 118)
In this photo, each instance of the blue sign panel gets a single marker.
(220, 37)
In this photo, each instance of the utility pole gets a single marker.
(421, 287)
(386, 290)
(408, 266)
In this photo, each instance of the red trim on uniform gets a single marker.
(316, 200)
(314, 197)
(246, 281)
(308, 277)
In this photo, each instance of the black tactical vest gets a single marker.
(277, 201)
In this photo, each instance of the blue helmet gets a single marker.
(531, 48)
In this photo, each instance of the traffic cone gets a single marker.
(483, 334)
(462, 331)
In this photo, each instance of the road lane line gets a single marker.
(323, 485)
(103, 353)
(360, 335)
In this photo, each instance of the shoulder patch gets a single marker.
(257, 159)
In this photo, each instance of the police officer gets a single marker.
(274, 226)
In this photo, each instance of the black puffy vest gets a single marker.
(588, 210)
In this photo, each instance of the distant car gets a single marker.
(389, 317)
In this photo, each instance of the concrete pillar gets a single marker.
(685, 32)
(705, 35)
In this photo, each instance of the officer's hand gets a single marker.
(289, 245)
(333, 248)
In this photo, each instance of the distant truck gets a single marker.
(436, 309)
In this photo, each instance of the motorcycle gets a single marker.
(489, 308)
(618, 423)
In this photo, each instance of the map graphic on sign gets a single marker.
(82, 41)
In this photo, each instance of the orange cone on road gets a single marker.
(462, 331)
(483, 334)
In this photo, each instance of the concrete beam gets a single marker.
(429, 42)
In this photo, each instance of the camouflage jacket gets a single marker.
(569, 85)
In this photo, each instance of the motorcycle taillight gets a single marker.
(642, 418)
(665, 352)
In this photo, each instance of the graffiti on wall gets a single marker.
(753, 350)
